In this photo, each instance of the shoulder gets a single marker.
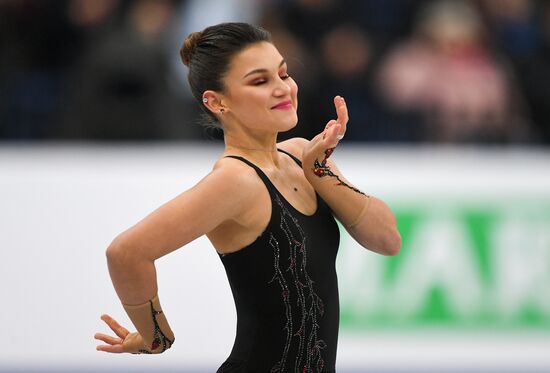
(238, 188)
(234, 169)
(294, 146)
(234, 177)
(224, 193)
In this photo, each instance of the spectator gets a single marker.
(120, 90)
(346, 53)
(446, 73)
(37, 47)
(534, 76)
(513, 26)
(411, 70)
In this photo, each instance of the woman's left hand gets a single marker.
(334, 131)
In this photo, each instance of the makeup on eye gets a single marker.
(263, 70)
(264, 80)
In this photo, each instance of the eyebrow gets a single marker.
(262, 70)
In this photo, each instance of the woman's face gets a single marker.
(260, 94)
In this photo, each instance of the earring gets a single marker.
(222, 110)
(205, 100)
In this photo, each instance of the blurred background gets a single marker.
(457, 72)
(449, 107)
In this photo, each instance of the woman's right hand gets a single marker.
(126, 341)
(334, 131)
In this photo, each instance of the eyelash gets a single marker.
(260, 82)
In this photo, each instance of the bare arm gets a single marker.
(132, 254)
(367, 219)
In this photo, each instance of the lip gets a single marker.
(283, 105)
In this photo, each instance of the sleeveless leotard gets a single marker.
(285, 290)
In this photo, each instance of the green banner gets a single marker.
(462, 265)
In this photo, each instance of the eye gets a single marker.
(262, 81)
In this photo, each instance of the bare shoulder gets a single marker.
(221, 196)
(294, 146)
(237, 177)
(231, 167)
(226, 191)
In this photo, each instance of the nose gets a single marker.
(282, 88)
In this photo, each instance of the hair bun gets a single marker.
(189, 47)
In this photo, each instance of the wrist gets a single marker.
(153, 328)
(316, 165)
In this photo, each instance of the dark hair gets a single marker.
(208, 54)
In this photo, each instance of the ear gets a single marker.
(213, 102)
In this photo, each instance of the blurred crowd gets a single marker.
(434, 71)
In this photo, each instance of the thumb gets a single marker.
(330, 124)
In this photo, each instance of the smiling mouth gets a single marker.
(283, 105)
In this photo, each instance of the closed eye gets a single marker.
(262, 81)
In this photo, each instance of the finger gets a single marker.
(336, 130)
(108, 339)
(331, 138)
(329, 124)
(116, 349)
(115, 326)
(325, 139)
(341, 110)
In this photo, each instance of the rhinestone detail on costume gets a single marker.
(159, 338)
(292, 277)
(321, 169)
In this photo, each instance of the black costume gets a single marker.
(286, 292)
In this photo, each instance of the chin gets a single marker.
(286, 124)
(292, 121)
(289, 126)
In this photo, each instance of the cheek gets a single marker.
(250, 100)
(294, 93)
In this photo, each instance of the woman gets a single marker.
(267, 208)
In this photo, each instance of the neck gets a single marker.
(251, 141)
(228, 146)
(263, 153)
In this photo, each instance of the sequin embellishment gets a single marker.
(292, 277)
(321, 169)
(159, 338)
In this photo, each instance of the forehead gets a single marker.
(262, 55)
